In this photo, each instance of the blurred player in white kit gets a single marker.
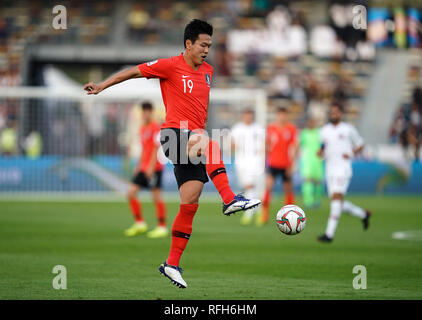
(248, 142)
(340, 142)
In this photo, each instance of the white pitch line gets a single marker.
(415, 235)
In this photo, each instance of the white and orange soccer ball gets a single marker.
(291, 219)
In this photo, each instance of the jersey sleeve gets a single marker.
(357, 140)
(156, 69)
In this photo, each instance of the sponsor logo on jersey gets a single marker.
(151, 62)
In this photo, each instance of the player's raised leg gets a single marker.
(358, 212)
(336, 205)
(139, 226)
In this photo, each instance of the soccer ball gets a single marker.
(291, 219)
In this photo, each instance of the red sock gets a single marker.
(266, 205)
(290, 198)
(180, 232)
(217, 171)
(267, 198)
(135, 206)
(160, 210)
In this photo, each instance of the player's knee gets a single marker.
(191, 199)
(131, 193)
(337, 196)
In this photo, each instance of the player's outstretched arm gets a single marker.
(358, 150)
(126, 74)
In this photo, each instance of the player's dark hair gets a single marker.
(147, 106)
(194, 28)
(337, 105)
(248, 110)
(282, 109)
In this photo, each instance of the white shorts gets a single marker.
(248, 178)
(337, 183)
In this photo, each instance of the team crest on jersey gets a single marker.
(151, 62)
(208, 79)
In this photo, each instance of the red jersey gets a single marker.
(185, 91)
(150, 138)
(279, 141)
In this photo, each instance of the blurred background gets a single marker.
(55, 140)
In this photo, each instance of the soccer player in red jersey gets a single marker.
(185, 82)
(281, 152)
(148, 176)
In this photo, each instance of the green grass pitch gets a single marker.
(223, 260)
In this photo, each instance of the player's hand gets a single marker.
(346, 156)
(320, 153)
(92, 88)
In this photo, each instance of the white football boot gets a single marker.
(174, 274)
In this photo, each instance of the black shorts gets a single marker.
(174, 142)
(276, 172)
(154, 183)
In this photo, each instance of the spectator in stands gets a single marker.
(3, 115)
(278, 19)
(417, 97)
(296, 34)
(340, 92)
(280, 85)
(137, 20)
(222, 58)
(398, 127)
(323, 41)
(415, 129)
(407, 129)
(252, 62)
(365, 50)
(3, 33)
(298, 93)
